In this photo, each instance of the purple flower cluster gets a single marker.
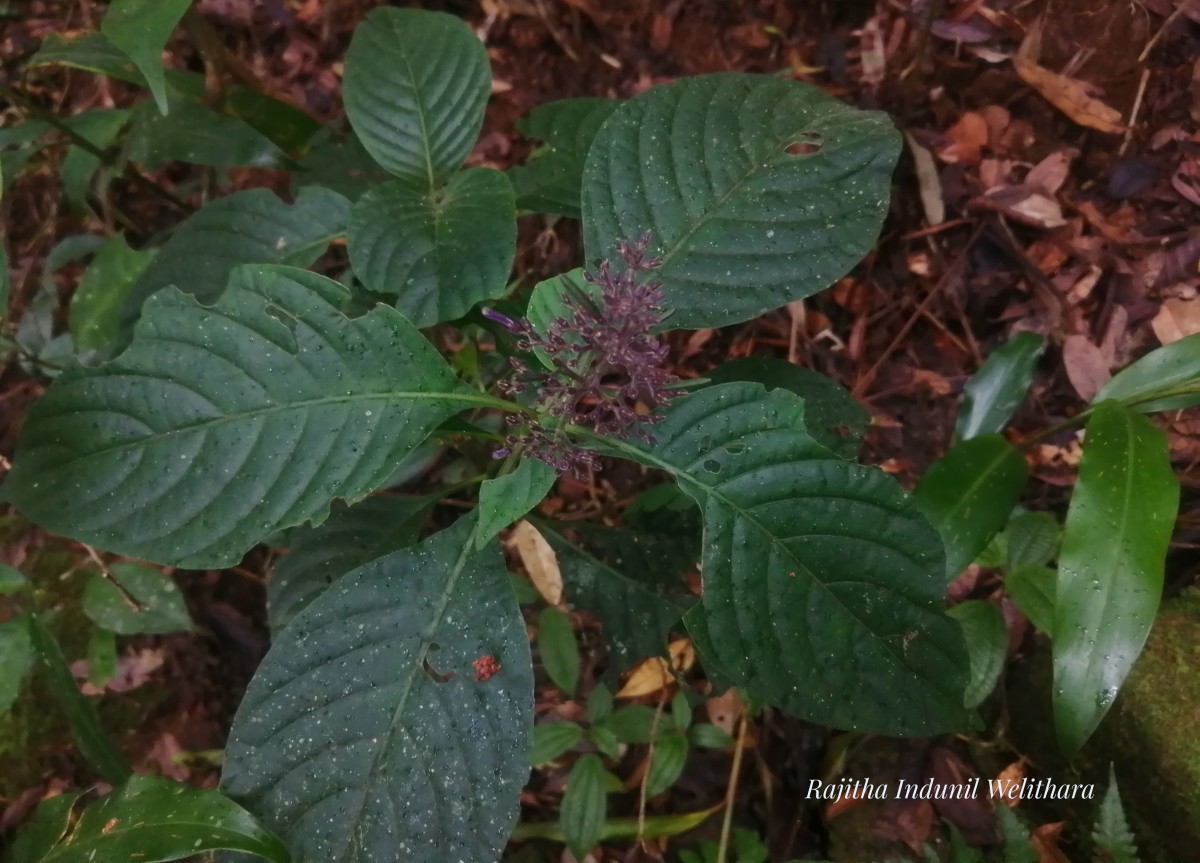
(607, 366)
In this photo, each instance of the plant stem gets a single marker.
(731, 788)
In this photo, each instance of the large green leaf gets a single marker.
(440, 251)
(822, 580)
(1164, 379)
(366, 734)
(552, 180)
(222, 424)
(1110, 568)
(349, 538)
(994, 392)
(251, 227)
(969, 493)
(42, 832)
(756, 190)
(415, 88)
(152, 819)
(140, 29)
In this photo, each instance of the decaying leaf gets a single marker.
(1086, 365)
(539, 561)
(653, 674)
(928, 182)
(1025, 204)
(134, 669)
(965, 140)
(1186, 180)
(1069, 96)
(1177, 318)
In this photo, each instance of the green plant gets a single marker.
(215, 394)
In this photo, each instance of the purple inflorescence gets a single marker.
(607, 366)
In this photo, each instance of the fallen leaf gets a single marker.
(1069, 96)
(1087, 368)
(997, 118)
(1176, 319)
(965, 140)
(654, 674)
(134, 670)
(928, 182)
(724, 710)
(1186, 180)
(1050, 173)
(1025, 204)
(1011, 776)
(539, 560)
(1045, 843)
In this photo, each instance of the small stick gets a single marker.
(1133, 115)
(1171, 19)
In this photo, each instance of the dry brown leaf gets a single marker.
(928, 182)
(539, 560)
(1186, 180)
(1025, 204)
(653, 674)
(1050, 173)
(1086, 365)
(966, 140)
(1176, 319)
(1195, 111)
(997, 118)
(724, 710)
(1009, 777)
(134, 670)
(1070, 97)
(1045, 843)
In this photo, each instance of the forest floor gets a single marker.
(1051, 183)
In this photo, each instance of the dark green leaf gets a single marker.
(1110, 568)
(197, 135)
(681, 711)
(439, 252)
(552, 180)
(96, 304)
(11, 580)
(558, 649)
(251, 227)
(552, 739)
(632, 724)
(100, 128)
(987, 646)
(162, 608)
(1018, 848)
(599, 703)
(854, 634)
(1167, 378)
(152, 819)
(1032, 590)
(93, 744)
(341, 164)
(1032, 539)
(16, 658)
(721, 170)
(547, 303)
(140, 29)
(584, 806)
(91, 52)
(48, 825)
(667, 763)
(505, 499)
(993, 393)
(708, 736)
(605, 741)
(366, 733)
(349, 538)
(415, 87)
(968, 494)
(1111, 832)
(960, 851)
(101, 657)
(290, 128)
(831, 415)
(209, 432)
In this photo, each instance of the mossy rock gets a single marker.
(1149, 736)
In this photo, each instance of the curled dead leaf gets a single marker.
(654, 674)
(539, 561)
(1176, 319)
(1086, 365)
(1070, 96)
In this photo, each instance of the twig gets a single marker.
(1171, 19)
(641, 817)
(735, 770)
(1133, 115)
(132, 600)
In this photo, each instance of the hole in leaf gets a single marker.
(712, 465)
(735, 449)
(805, 145)
(433, 674)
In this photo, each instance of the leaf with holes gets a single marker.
(756, 191)
(439, 252)
(823, 582)
(551, 181)
(415, 88)
(366, 732)
(223, 424)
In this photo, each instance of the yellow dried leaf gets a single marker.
(539, 560)
(654, 674)
(1070, 97)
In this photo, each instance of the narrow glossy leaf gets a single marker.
(93, 744)
(438, 252)
(223, 424)
(636, 610)
(632, 724)
(584, 806)
(667, 763)
(552, 180)
(968, 494)
(994, 393)
(1032, 539)
(49, 824)
(552, 739)
(251, 227)
(101, 657)
(415, 88)
(831, 414)
(1111, 832)
(366, 730)
(152, 819)
(756, 190)
(558, 649)
(11, 580)
(1167, 378)
(349, 538)
(197, 135)
(505, 499)
(650, 827)
(162, 608)
(1018, 848)
(823, 582)
(987, 645)
(1032, 590)
(1110, 568)
(96, 304)
(16, 658)
(140, 29)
